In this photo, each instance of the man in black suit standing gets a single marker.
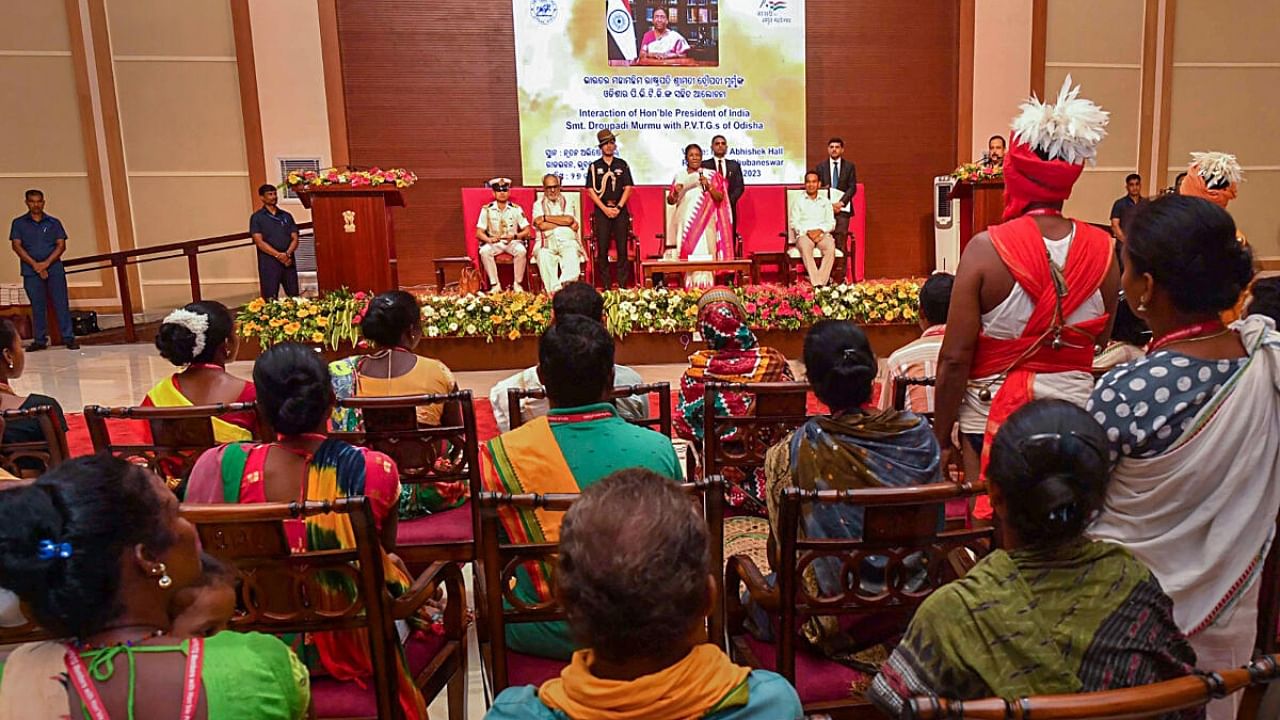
(846, 181)
(732, 173)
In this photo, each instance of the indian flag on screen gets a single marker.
(618, 18)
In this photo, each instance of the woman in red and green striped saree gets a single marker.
(306, 465)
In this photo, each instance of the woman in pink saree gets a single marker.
(662, 42)
(702, 223)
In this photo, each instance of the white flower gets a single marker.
(453, 327)
(471, 329)
(433, 331)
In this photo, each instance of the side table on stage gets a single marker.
(981, 205)
(739, 268)
(355, 239)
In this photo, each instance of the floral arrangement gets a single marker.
(330, 320)
(373, 177)
(335, 317)
(978, 172)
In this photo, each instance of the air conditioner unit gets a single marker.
(946, 228)
(295, 164)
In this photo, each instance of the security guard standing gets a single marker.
(609, 185)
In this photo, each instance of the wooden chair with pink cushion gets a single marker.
(1146, 701)
(903, 526)
(33, 458)
(497, 564)
(275, 595)
(445, 455)
(179, 435)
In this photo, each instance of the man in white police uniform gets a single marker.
(502, 229)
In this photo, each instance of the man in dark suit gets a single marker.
(731, 171)
(846, 182)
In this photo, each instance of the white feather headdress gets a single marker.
(1217, 166)
(197, 323)
(1069, 129)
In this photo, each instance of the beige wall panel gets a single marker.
(49, 140)
(1227, 31)
(1118, 91)
(291, 94)
(167, 210)
(1094, 31)
(1093, 194)
(34, 25)
(1256, 213)
(171, 27)
(1001, 66)
(179, 116)
(229, 277)
(1235, 110)
(66, 199)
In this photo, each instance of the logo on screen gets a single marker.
(619, 21)
(544, 11)
(773, 12)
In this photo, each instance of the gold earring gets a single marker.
(1142, 306)
(165, 581)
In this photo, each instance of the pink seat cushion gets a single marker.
(531, 670)
(817, 678)
(450, 526)
(339, 699)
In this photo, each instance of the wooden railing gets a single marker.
(190, 249)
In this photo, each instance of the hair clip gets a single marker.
(48, 550)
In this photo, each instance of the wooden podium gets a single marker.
(981, 205)
(355, 239)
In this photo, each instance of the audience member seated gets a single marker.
(581, 441)
(206, 608)
(297, 398)
(919, 358)
(583, 300)
(1194, 429)
(733, 354)
(15, 360)
(1051, 612)
(1264, 299)
(201, 339)
(393, 324)
(1129, 338)
(636, 584)
(97, 552)
(850, 449)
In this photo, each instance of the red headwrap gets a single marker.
(1028, 179)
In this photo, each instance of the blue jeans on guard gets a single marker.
(39, 291)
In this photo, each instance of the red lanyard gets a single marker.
(1186, 333)
(92, 701)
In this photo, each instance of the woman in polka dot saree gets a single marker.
(1194, 430)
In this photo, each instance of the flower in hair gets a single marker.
(197, 323)
(48, 550)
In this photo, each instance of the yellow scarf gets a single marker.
(703, 682)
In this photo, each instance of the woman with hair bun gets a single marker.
(304, 464)
(394, 326)
(97, 551)
(1194, 428)
(200, 338)
(1052, 611)
(849, 449)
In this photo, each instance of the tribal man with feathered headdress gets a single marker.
(1033, 295)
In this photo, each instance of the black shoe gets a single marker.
(73, 345)
(37, 346)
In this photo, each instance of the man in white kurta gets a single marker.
(502, 229)
(558, 251)
(812, 219)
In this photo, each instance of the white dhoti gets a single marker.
(490, 251)
(559, 259)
